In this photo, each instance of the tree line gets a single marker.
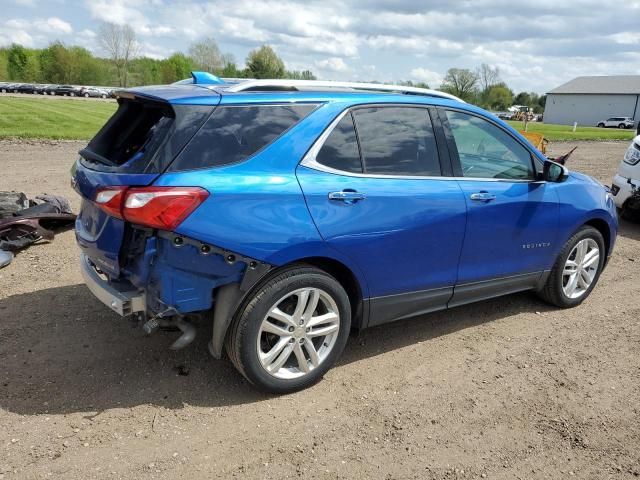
(124, 66)
(485, 88)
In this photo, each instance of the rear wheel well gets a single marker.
(603, 228)
(346, 278)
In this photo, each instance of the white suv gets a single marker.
(627, 179)
(617, 122)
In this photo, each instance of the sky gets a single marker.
(536, 45)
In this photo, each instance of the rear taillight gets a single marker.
(110, 199)
(157, 207)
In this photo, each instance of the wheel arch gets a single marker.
(603, 227)
(229, 299)
(347, 279)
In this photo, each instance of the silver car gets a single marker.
(617, 122)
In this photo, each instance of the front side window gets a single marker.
(340, 150)
(486, 151)
(397, 141)
(234, 133)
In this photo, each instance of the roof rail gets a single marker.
(257, 85)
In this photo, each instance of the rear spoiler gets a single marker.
(168, 93)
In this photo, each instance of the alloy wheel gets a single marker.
(298, 333)
(581, 268)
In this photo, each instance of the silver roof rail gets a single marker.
(322, 84)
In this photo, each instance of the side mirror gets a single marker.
(554, 172)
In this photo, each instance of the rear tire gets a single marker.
(575, 267)
(291, 330)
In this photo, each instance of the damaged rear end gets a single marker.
(129, 257)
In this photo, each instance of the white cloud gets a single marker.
(34, 32)
(332, 64)
(87, 34)
(433, 79)
(53, 25)
(627, 38)
(117, 11)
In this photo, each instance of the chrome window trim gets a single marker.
(309, 160)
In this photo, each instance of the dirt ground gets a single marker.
(508, 388)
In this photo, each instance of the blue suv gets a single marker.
(286, 213)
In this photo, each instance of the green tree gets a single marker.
(522, 98)
(265, 63)
(462, 83)
(146, 71)
(4, 72)
(31, 71)
(177, 67)
(498, 97)
(16, 62)
(300, 75)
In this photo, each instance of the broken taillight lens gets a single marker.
(156, 207)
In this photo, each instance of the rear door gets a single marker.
(512, 217)
(375, 188)
(133, 148)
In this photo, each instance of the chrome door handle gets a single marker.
(482, 196)
(347, 196)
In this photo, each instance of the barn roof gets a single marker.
(609, 84)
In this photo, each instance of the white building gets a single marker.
(588, 100)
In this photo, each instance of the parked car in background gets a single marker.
(42, 89)
(26, 88)
(617, 122)
(66, 90)
(93, 92)
(505, 115)
(11, 88)
(626, 183)
(258, 207)
(50, 89)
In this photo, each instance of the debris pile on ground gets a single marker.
(24, 222)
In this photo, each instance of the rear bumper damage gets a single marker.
(174, 276)
(121, 300)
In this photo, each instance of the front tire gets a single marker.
(601, 125)
(577, 269)
(291, 330)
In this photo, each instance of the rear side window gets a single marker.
(340, 150)
(397, 141)
(234, 133)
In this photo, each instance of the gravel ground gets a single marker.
(508, 388)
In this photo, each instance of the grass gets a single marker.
(50, 118)
(565, 132)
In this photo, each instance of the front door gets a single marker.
(379, 198)
(511, 215)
